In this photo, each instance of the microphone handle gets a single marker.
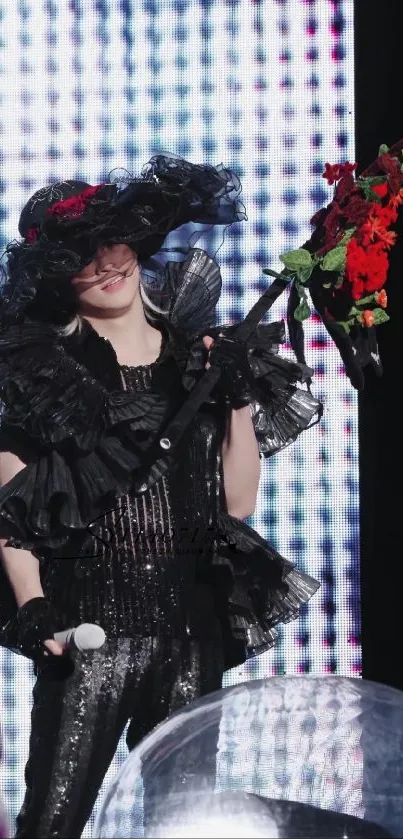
(86, 636)
(66, 637)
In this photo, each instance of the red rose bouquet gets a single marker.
(345, 263)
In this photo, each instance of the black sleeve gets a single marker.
(16, 441)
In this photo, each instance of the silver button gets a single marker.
(165, 443)
(143, 488)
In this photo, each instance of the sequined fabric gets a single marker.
(143, 570)
(78, 718)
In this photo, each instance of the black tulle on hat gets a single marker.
(64, 224)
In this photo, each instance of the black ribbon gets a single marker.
(203, 388)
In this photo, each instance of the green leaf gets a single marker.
(345, 324)
(383, 149)
(302, 311)
(295, 260)
(372, 181)
(366, 185)
(304, 274)
(347, 236)
(335, 260)
(364, 301)
(380, 316)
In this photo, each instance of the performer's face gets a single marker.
(110, 282)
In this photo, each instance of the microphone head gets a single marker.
(89, 636)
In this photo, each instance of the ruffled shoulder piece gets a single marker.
(187, 291)
(281, 408)
(261, 589)
(56, 401)
(84, 444)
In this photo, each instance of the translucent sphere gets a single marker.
(277, 757)
(4, 828)
(4, 822)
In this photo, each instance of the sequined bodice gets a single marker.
(145, 563)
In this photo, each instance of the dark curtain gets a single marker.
(379, 119)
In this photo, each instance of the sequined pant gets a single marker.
(78, 718)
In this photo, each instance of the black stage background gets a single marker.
(379, 119)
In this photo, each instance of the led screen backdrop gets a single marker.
(266, 88)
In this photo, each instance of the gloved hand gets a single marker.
(236, 379)
(37, 621)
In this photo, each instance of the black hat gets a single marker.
(64, 224)
(34, 212)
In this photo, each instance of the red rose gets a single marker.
(387, 215)
(380, 189)
(333, 224)
(347, 168)
(331, 173)
(356, 210)
(74, 206)
(367, 318)
(366, 269)
(381, 298)
(375, 228)
(346, 187)
(32, 234)
(376, 269)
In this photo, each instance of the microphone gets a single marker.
(86, 636)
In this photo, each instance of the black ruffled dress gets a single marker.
(129, 535)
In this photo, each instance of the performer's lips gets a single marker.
(114, 283)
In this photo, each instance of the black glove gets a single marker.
(236, 379)
(37, 622)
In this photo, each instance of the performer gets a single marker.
(130, 439)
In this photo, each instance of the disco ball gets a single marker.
(301, 756)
